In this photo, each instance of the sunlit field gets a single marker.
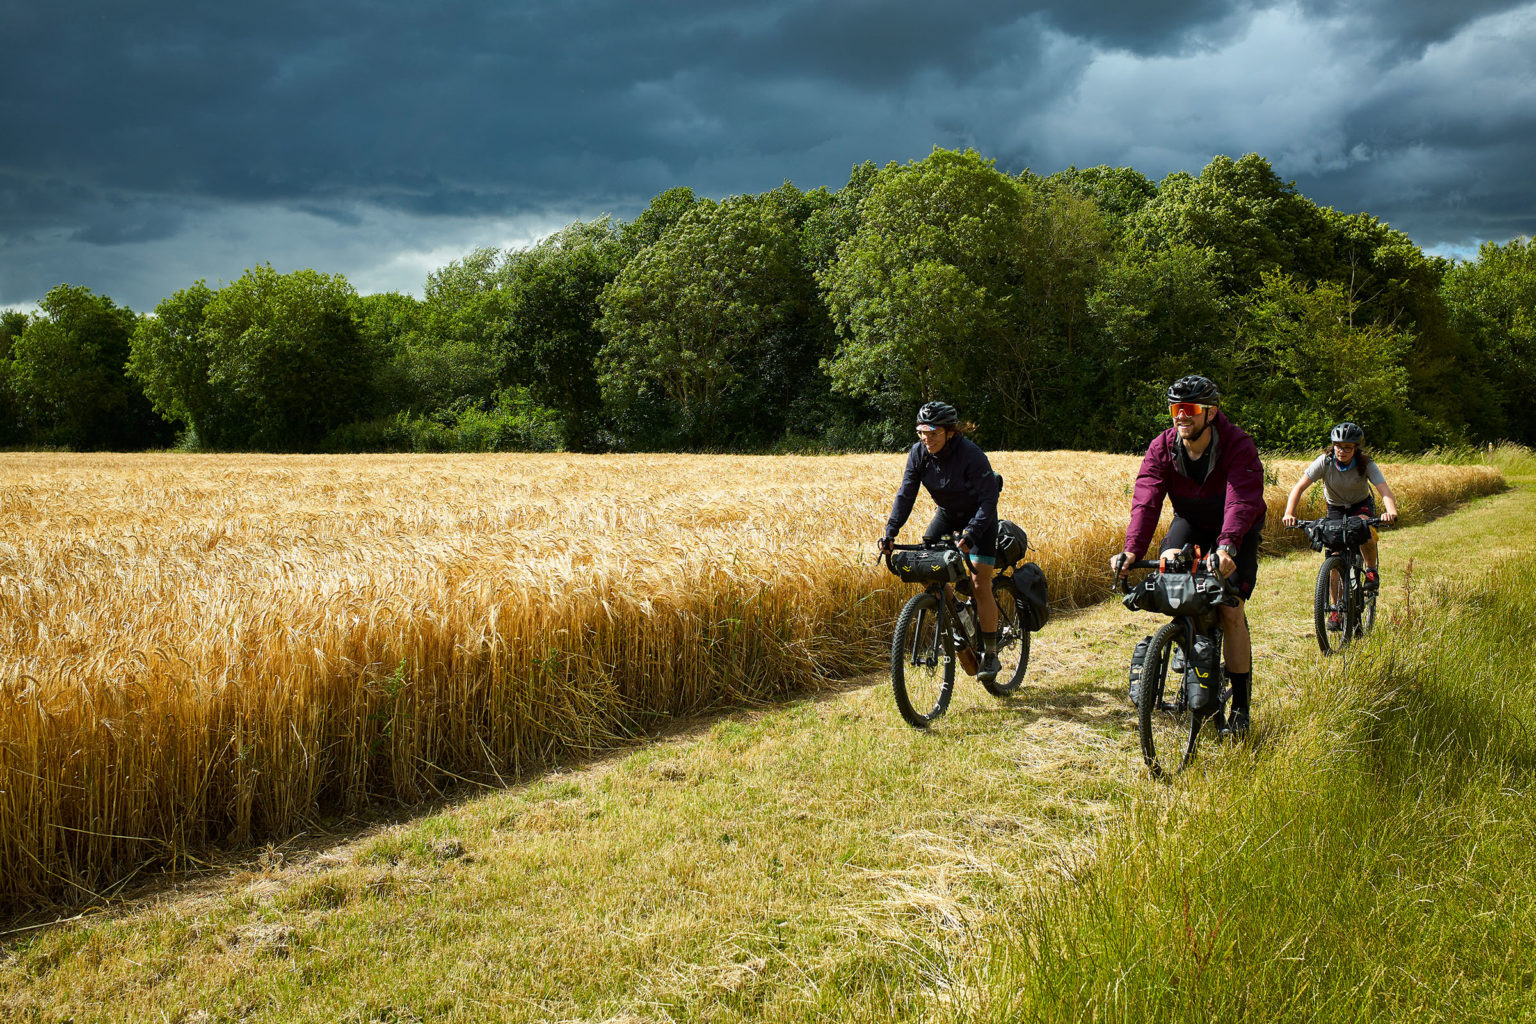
(205, 650)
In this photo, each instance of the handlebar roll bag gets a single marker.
(930, 566)
(1333, 534)
(1174, 593)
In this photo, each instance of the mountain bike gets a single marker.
(1169, 715)
(1343, 606)
(936, 629)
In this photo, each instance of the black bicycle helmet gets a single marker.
(937, 414)
(1194, 389)
(1347, 433)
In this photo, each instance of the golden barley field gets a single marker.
(199, 651)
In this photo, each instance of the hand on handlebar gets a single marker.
(884, 545)
(1118, 563)
(1389, 517)
(1224, 563)
(1289, 519)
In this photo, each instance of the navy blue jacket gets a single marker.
(959, 479)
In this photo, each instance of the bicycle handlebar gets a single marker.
(1208, 564)
(1302, 524)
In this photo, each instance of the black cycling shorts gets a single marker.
(1181, 532)
(1368, 506)
(983, 545)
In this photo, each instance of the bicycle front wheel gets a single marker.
(922, 677)
(1012, 641)
(1329, 616)
(1168, 728)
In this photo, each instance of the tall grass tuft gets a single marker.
(199, 651)
(1370, 859)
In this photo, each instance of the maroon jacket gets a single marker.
(1230, 501)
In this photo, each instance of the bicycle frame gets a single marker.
(1349, 608)
(1174, 703)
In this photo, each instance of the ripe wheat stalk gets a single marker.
(199, 650)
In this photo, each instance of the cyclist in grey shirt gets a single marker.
(1347, 474)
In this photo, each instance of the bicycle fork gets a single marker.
(942, 648)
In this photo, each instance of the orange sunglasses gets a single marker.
(1188, 409)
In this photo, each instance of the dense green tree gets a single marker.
(1492, 302)
(1041, 365)
(1393, 283)
(549, 335)
(963, 283)
(67, 374)
(1162, 316)
(171, 358)
(1302, 361)
(926, 287)
(657, 218)
(704, 319)
(1247, 216)
(390, 324)
(834, 222)
(1121, 192)
(286, 358)
(12, 323)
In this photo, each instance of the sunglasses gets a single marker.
(1188, 409)
(925, 431)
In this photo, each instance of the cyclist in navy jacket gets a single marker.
(958, 477)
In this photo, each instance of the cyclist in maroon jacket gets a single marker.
(1210, 470)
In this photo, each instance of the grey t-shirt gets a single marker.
(1346, 486)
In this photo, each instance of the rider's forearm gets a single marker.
(1294, 498)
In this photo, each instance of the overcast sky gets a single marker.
(146, 145)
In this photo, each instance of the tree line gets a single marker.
(1052, 310)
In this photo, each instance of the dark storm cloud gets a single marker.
(1406, 26)
(138, 133)
(286, 100)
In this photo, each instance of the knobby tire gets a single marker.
(922, 690)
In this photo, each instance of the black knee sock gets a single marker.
(1242, 685)
(989, 642)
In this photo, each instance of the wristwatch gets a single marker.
(1229, 549)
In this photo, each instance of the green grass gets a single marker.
(1372, 862)
(1367, 857)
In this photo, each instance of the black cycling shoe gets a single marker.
(989, 668)
(1236, 727)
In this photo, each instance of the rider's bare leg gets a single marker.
(986, 604)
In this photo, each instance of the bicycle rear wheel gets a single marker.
(1012, 641)
(1326, 610)
(1168, 728)
(922, 677)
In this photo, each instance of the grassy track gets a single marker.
(1366, 857)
